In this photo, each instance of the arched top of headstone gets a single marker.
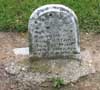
(52, 8)
(53, 32)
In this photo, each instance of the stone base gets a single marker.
(67, 70)
(38, 71)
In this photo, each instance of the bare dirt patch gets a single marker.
(9, 41)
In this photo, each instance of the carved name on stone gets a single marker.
(53, 32)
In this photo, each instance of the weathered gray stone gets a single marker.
(39, 71)
(53, 33)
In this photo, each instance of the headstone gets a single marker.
(54, 39)
(53, 32)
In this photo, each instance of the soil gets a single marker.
(11, 40)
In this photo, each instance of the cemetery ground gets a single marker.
(10, 40)
(14, 16)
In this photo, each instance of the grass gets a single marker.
(14, 14)
(57, 82)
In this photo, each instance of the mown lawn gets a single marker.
(14, 14)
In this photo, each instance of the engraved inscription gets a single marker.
(54, 33)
